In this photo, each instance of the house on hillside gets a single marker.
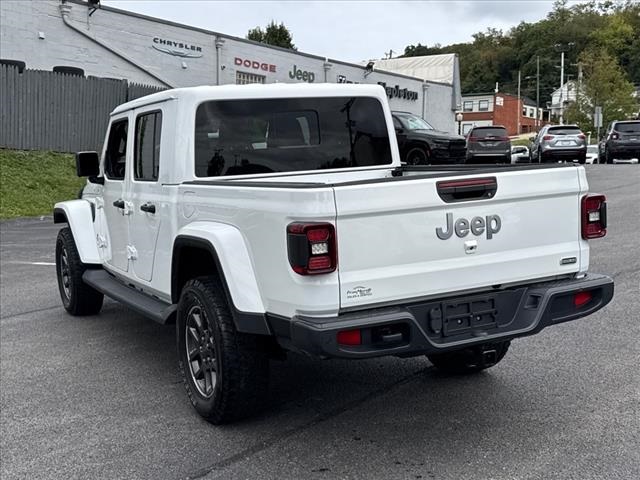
(517, 115)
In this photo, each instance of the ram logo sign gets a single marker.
(489, 225)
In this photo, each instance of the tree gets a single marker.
(273, 34)
(605, 84)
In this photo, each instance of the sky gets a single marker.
(349, 30)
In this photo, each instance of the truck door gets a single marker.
(145, 192)
(116, 157)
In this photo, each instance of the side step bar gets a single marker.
(153, 308)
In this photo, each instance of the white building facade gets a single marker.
(113, 43)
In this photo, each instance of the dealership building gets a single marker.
(88, 39)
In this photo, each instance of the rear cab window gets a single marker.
(564, 131)
(488, 132)
(240, 137)
(628, 127)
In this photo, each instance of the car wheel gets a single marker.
(582, 160)
(77, 297)
(417, 156)
(225, 372)
(470, 360)
(608, 157)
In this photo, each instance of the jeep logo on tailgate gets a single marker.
(490, 224)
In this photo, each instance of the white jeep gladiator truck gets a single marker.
(270, 218)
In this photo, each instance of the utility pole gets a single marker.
(390, 53)
(519, 109)
(537, 92)
(561, 86)
(562, 48)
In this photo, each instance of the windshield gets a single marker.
(488, 132)
(413, 122)
(240, 137)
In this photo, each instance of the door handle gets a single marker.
(148, 207)
(119, 203)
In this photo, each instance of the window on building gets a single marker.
(466, 128)
(483, 105)
(524, 111)
(467, 106)
(147, 148)
(116, 154)
(244, 78)
(294, 134)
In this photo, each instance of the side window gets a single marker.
(146, 155)
(116, 154)
(396, 124)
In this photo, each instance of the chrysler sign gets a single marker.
(177, 49)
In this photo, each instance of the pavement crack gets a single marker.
(43, 309)
(259, 447)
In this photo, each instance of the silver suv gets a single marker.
(559, 142)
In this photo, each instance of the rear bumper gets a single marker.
(564, 153)
(625, 151)
(436, 326)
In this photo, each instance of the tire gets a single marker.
(470, 360)
(608, 157)
(225, 373)
(418, 156)
(77, 297)
(582, 160)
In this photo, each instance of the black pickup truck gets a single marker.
(421, 144)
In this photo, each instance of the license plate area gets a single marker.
(460, 317)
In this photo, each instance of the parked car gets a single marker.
(281, 219)
(621, 142)
(559, 142)
(520, 154)
(489, 144)
(592, 154)
(421, 144)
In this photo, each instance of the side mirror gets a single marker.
(87, 164)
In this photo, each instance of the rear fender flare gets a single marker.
(79, 215)
(234, 266)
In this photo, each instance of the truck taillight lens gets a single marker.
(615, 136)
(312, 248)
(594, 216)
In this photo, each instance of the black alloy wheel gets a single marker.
(201, 351)
(77, 297)
(417, 156)
(225, 372)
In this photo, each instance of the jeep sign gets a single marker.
(490, 224)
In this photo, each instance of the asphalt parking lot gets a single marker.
(100, 397)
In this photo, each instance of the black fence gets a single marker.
(41, 110)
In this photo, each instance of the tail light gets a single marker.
(503, 139)
(546, 138)
(594, 216)
(473, 139)
(312, 248)
(615, 136)
(582, 136)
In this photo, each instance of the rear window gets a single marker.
(236, 137)
(564, 131)
(489, 132)
(628, 127)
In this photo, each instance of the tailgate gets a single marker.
(397, 240)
